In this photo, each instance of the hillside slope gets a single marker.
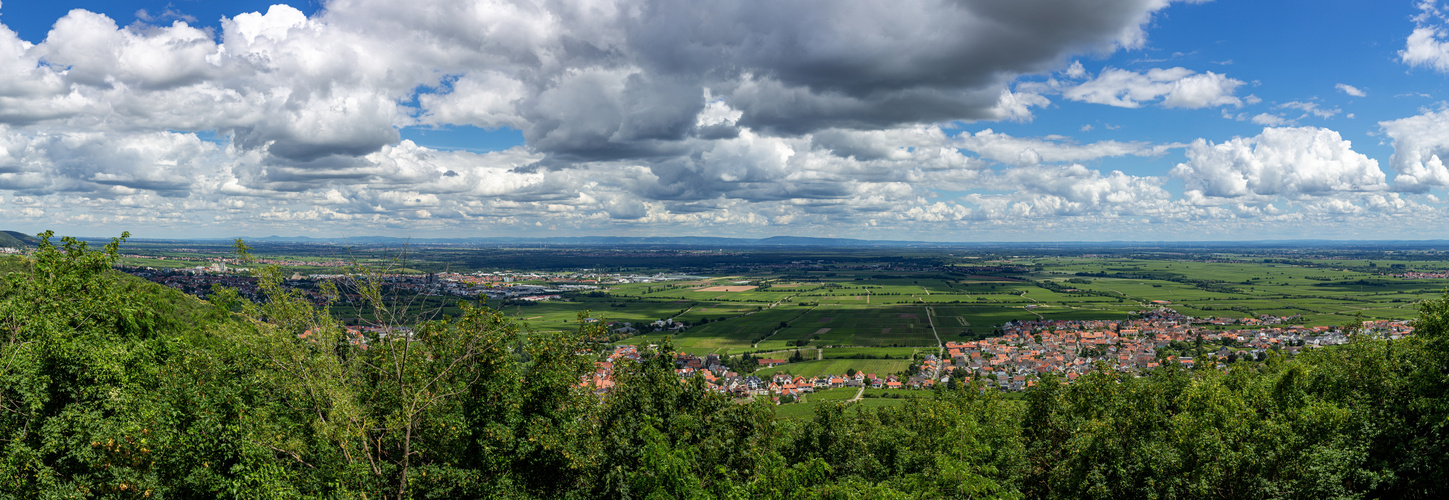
(17, 239)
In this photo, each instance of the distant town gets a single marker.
(1031, 350)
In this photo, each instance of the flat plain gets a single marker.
(877, 310)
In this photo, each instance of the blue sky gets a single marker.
(931, 120)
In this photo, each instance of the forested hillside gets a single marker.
(115, 387)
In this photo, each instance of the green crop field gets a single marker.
(895, 393)
(840, 394)
(880, 367)
(879, 314)
(563, 314)
(731, 335)
(887, 326)
(877, 352)
(872, 403)
(715, 311)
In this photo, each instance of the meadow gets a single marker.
(807, 369)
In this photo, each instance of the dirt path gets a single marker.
(940, 346)
(858, 394)
(1038, 315)
(1119, 292)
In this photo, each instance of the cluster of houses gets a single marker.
(602, 379)
(536, 293)
(784, 384)
(561, 279)
(721, 379)
(1029, 349)
(196, 282)
(668, 324)
(1419, 275)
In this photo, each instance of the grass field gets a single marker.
(879, 352)
(889, 326)
(875, 311)
(896, 393)
(563, 314)
(806, 410)
(840, 394)
(715, 311)
(851, 313)
(732, 335)
(880, 367)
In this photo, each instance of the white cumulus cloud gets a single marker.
(1005, 148)
(1175, 87)
(1426, 45)
(1421, 143)
(1303, 161)
(1269, 120)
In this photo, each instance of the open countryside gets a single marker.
(1004, 320)
(843, 361)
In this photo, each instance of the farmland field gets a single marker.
(874, 352)
(880, 367)
(893, 393)
(891, 314)
(888, 326)
(840, 394)
(806, 410)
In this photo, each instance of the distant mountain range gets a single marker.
(17, 239)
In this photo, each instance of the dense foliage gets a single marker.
(110, 386)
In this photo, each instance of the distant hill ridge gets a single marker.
(17, 239)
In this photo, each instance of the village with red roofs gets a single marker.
(1030, 350)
